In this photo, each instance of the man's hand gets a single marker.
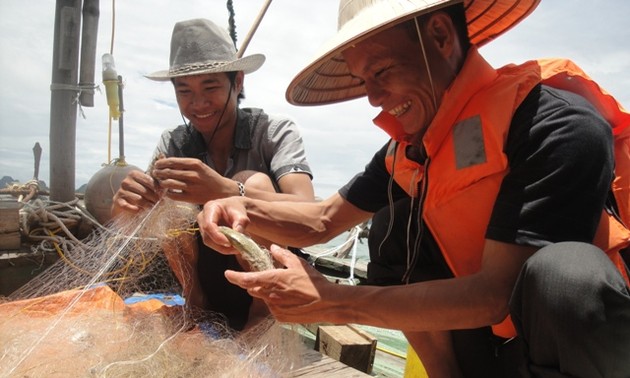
(229, 212)
(298, 294)
(137, 191)
(190, 180)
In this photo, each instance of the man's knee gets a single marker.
(565, 280)
(568, 265)
(572, 308)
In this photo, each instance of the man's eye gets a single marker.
(355, 80)
(381, 71)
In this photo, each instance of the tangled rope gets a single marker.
(24, 192)
(44, 220)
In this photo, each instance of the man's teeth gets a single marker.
(203, 115)
(400, 109)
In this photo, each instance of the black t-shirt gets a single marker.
(561, 161)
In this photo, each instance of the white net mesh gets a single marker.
(100, 311)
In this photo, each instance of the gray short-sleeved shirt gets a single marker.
(262, 143)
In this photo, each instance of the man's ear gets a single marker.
(238, 80)
(442, 32)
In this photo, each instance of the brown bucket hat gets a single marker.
(327, 80)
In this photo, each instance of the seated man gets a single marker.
(221, 151)
(500, 202)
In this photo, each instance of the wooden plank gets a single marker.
(10, 240)
(9, 216)
(17, 267)
(350, 345)
(25, 257)
(391, 348)
(10, 237)
(320, 366)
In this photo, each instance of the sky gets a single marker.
(340, 139)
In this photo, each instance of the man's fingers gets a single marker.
(220, 245)
(220, 213)
(138, 187)
(209, 228)
(246, 280)
(170, 167)
(128, 206)
(131, 201)
(174, 163)
(284, 256)
(260, 285)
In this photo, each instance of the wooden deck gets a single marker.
(318, 365)
(391, 349)
(19, 266)
(390, 359)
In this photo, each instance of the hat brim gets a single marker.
(246, 64)
(327, 80)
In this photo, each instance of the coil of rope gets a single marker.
(43, 220)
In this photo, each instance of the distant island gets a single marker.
(6, 181)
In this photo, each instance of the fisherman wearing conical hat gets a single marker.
(222, 150)
(500, 204)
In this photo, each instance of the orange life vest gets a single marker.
(463, 185)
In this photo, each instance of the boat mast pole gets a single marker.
(89, 33)
(252, 30)
(65, 90)
(63, 107)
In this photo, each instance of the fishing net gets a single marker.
(109, 307)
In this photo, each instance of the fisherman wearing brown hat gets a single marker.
(223, 150)
(500, 204)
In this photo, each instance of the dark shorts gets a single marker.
(222, 297)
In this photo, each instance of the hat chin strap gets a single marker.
(222, 113)
(426, 62)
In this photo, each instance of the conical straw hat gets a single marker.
(327, 80)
